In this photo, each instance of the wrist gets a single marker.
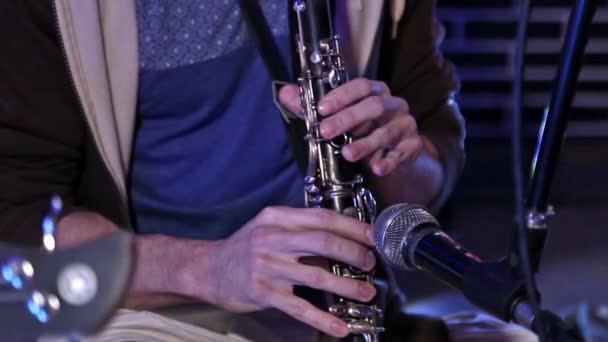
(150, 270)
(155, 259)
(427, 153)
(176, 266)
(196, 275)
(429, 147)
(414, 181)
(161, 275)
(432, 166)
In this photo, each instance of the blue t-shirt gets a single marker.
(210, 149)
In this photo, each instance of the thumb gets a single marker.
(289, 96)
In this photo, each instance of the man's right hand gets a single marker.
(257, 267)
(254, 269)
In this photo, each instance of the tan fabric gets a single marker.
(120, 35)
(397, 11)
(81, 33)
(149, 327)
(364, 18)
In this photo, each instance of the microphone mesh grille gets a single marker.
(393, 226)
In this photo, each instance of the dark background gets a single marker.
(480, 41)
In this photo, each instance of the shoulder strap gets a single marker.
(258, 28)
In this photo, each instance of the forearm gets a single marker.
(418, 181)
(153, 283)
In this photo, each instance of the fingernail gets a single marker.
(322, 108)
(352, 154)
(328, 129)
(380, 169)
(339, 328)
(370, 260)
(367, 291)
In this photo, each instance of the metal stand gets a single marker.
(553, 128)
(552, 134)
(65, 292)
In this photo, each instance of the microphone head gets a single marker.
(394, 226)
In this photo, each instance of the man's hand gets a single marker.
(385, 133)
(257, 267)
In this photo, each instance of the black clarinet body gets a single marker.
(331, 181)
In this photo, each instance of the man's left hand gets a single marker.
(385, 133)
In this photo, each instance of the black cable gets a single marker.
(516, 119)
(521, 238)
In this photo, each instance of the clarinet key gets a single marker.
(312, 189)
(361, 311)
(360, 326)
(338, 310)
(309, 180)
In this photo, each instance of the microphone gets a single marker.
(409, 238)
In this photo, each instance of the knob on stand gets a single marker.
(67, 292)
(18, 273)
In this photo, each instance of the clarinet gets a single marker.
(331, 181)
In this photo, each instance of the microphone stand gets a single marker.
(503, 288)
(552, 135)
(553, 129)
(499, 287)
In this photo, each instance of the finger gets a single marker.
(289, 96)
(375, 157)
(300, 219)
(369, 109)
(305, 312)
(363, 129)
(350, 93)
(321, 279)
(320, 243)
(381, 138)
(408, 149)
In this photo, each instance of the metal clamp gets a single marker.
(539, 220)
